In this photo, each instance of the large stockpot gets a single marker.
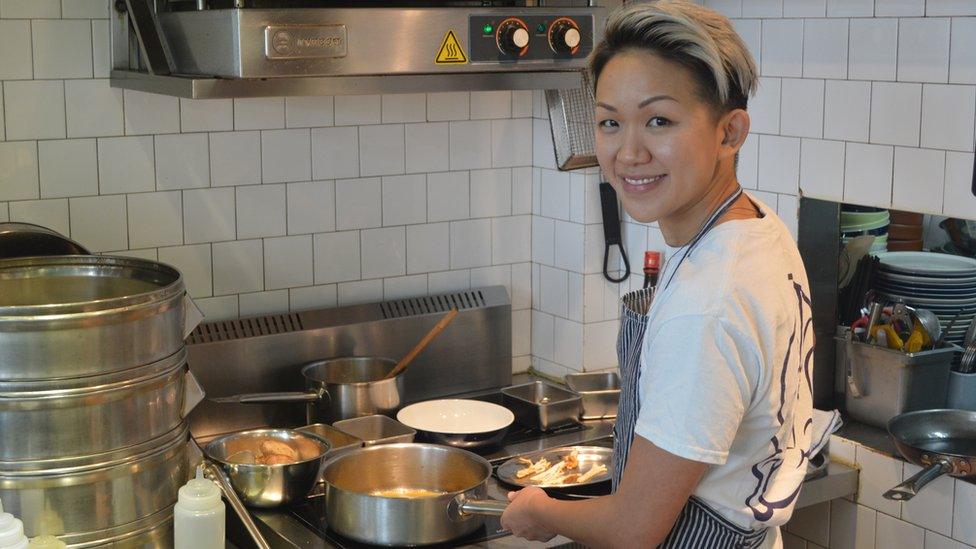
(456, 480)
(73, 316)
(340, 388)
(44, 421)
(98, 492)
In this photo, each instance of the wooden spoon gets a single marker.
(402, 365)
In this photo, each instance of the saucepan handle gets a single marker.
(468, 507)
(264, 398)
(213, 472)
(908, 489)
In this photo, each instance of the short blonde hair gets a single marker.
(693, 36)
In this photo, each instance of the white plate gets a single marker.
(934, 293)
(962, 303)
(456, 416)
(935, 282)
(928, 263)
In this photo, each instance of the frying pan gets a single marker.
(941, 441)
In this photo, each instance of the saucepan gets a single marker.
(270, 467)
(943, 442)
(340, 388)
(458, 422)
(407, 494)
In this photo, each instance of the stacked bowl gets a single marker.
(944, 284)
(865, 221)
(94, 392)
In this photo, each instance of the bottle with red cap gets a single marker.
(652, 267)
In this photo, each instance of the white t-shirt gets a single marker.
(726, 369)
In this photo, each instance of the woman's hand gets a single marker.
(520, 517)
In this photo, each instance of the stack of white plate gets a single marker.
(943, 284)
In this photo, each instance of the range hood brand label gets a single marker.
(304, 41)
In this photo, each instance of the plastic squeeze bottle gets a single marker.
(198, 517)
(11, 531)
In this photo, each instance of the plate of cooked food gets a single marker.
(558, 468)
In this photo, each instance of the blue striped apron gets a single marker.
(697, 526)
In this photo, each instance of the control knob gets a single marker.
(512, 37)
(564, 36)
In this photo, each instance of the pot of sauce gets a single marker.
(407, 494)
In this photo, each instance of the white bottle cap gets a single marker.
(11, 530)
(199, 494)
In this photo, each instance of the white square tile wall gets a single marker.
(873, 49)
(235, 158)
(201, 115)
(182, 161)
(825, 48)
(261, 113)
(847, 110)
(289, 203)
(895, 109)
(92, 109)
(48, 213)
(923, 50)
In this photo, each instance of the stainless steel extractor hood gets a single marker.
(256, 48)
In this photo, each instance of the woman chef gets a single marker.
(713, 432)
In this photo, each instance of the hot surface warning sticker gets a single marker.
(450, 52)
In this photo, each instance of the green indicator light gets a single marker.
(488, 29)
(541, 28)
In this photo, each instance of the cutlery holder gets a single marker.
(892, 382)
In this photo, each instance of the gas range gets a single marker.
(305, 525)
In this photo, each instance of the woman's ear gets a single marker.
(735, 128)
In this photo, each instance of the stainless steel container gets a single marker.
(542, 406)
(100, 492)
(72, 316)
(376, 429)
(407, 494)
(339, 442)
(44, 421)
(599, 393)
(891, 382)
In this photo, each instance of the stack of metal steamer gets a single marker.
(94, 392)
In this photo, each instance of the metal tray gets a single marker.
(599, 391)
(376, 429)
(588, 457)
(340, 442)
(542, 406)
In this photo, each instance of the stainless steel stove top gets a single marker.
(304, 525)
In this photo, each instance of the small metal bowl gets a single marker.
(260, 485)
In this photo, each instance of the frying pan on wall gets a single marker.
(943, 442)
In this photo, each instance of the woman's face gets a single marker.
(657, 142)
